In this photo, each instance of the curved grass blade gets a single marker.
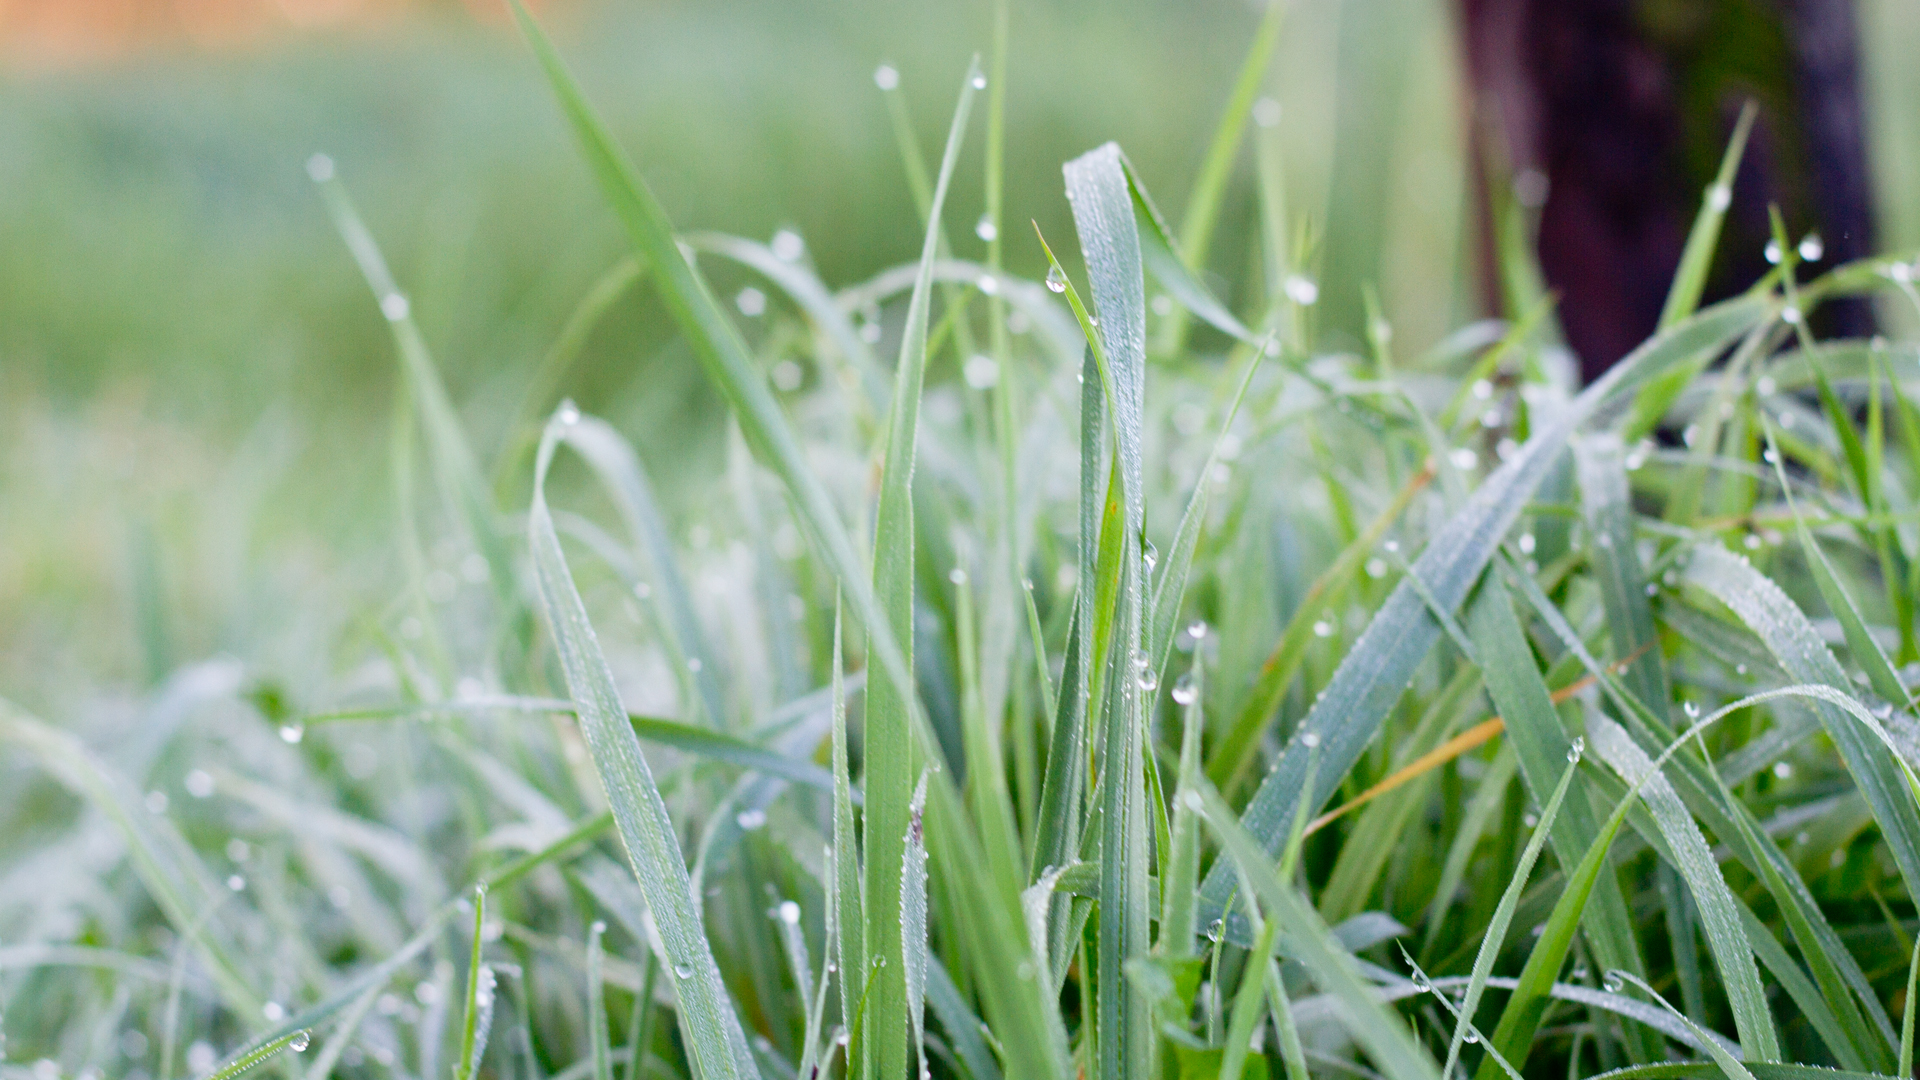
(296, 1041)
(713, 1032)
(1792, 639)
(1726, 936)
(1729, 1063)
(913, 921)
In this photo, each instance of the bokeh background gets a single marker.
(196, 387)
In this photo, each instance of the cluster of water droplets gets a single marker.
(1144, 674)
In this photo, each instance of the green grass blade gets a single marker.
(478, 1019)
(890, 743)
(1103, 212)
(1905, 1068)
(1180, 880)
(1601, 465)
(653, 851)
(1690, 279)
(293, 1040)
(1496, 932)
(851, 917)
(1724, 1058)
(1246, 1004)
(913, 922)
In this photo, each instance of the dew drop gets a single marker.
(1471, 1038)
(1322, 628)
(1197, 629)
(787, 246)
(751, 302)
(292, 733)
(1056, 280)
(1739, 669)
(886, 77)
(1528, 543)
(1482, 389)
(298, 1044)
(1464, 458)
(957, 576)
(1765, 386)
(750, 819)
(1791, 315)
(1577, 750)
(320, 168)
(1150, 557)
(568, 414)
(1614, 982)
(1812, 248)
(985, 229)
(1216, 930)
(1184, 691)
(1719, 197)
(395, 306)
(790, 912)
(1310, 740)
(1692, 709)
(1302, 290)
(684, 971)
(1421, 983)
(236, 883)
(1149, 680)
(1772, 252)
(979, 82)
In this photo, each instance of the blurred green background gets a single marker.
(196, 386)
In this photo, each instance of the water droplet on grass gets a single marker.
(1310, 740)
(750, 819)
(1772, 252)
(1302, 290)
(979, 82)
(320, 168)
(886, 77)
(395, 306)
(1812, 248)
(789, 912)
(292, 733)
(300, 1041)
(1056, 280)
(787, 246)
(1577, 750)
(751, 302)
(684, 971)
(985, 229)
(1184, 692)
(1197, 629)
(1614, 981)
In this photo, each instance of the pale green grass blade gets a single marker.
(295, 1041)
(1774, 617)
(962, 1027)
(713, 1029)
(1496, 932)
(1102, 201)
(1388, 1043)
(890, 735)
(1690, 279)
(477, 1022)
(457, 470)
(625, 478)
(1203, 203)
(1726, 936)
(1370, 679)
(716, 343)
(1161, 258)
(913, 922)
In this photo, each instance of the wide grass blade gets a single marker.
(715, 1041)
(1103, 212)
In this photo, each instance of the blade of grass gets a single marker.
(714, 1036)
(478, 1019)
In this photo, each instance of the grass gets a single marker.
(1081, 693)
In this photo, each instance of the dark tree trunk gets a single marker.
(1616, 111)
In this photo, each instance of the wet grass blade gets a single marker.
(600, 1043)
(1102, 201)
(652, 845)
(891, 753)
